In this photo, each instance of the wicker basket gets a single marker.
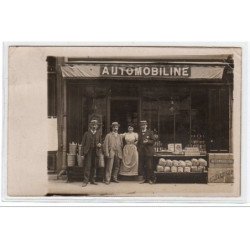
(73, 148)
(71, 160)
(80, 160)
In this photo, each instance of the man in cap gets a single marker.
(145, 144)
(113, 151)
(91, 143)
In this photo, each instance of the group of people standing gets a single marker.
(131, 159)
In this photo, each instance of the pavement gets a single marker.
(135, 189)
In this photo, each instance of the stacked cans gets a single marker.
(75, 153)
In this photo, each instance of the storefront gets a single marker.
(187, 103)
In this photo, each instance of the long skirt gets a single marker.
(129, 166)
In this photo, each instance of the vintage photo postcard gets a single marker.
(123, 121)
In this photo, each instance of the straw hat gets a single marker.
(115, 124)
(143, 123)
(93, 122)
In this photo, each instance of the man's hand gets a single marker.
(145, 141)
(99, 145)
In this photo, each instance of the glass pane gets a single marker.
(150, 113)
(224, 107)
(124, 89)
(182, 128)
(199, 118)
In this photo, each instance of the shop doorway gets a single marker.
(125, 112)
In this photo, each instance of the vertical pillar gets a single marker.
(64, 129)
(61, 159)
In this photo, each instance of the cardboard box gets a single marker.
(220, 175)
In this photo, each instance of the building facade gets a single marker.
(186, 101)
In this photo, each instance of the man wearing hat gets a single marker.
(146, 142)
(91, 143)
(113, 151)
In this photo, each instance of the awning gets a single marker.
(144, 71)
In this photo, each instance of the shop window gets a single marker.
(83, 104)
(219, 120)
(51, 87)
(124, 89)
(177, 114)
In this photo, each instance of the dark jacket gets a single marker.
(146, 149)
(87, 141)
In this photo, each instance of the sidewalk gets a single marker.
(134, 188)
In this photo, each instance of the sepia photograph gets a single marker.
(124, 121)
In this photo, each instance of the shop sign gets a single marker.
(142, 71)
(168, 71)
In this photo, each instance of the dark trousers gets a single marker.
(146, 167)
(90, 166)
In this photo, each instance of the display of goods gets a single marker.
(72, 148)
(160, 168)
(187, 169)
(180, 169)
(194, 169)
(195, 162)
(71, 160)
(174, 169)
(80, 160)
(169, 163)
(167, 169)
(162, 162)
(200, 169)
(192, 151)
(182, 163)
(175, 163)
(188, 163)
(202, 162)
(80, 149)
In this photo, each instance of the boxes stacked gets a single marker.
(221, 168)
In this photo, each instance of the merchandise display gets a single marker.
(174, 169)
(180, 169)
(187, 169)
(160, 168)
(193, 165)
(167, 169)
(162, 162)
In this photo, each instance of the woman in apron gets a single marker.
(129, 166)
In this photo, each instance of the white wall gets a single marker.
(52, 134)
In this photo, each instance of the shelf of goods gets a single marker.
(170, 168)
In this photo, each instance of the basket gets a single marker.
(72, 148)
(80, 160)
(71, 160)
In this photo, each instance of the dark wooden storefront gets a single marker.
(203, 107)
